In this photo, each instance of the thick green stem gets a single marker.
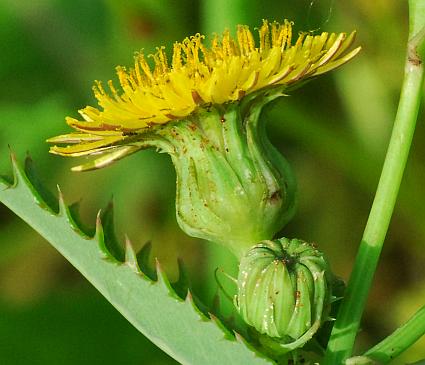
(346, 326)
(400, 340)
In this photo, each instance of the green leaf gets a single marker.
(174, 324)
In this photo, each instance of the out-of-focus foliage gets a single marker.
(333, 131)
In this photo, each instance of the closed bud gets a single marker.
(284, 290)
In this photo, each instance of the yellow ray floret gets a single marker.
(227, 71)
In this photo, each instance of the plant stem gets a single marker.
(346, 326)
(400, 340)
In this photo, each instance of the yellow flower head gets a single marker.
(199, 76)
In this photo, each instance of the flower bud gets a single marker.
(284, 290)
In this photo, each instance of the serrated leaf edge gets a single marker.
(20, 177)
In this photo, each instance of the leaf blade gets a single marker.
(173, 324)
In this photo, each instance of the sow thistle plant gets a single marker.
(203, 107)
(233, 186)
(204, 110)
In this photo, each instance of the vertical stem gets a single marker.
(346, 326)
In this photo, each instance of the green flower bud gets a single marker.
(284, 290)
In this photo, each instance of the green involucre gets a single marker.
(233, 187)
(284, 291)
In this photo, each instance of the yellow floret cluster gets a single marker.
(196, 76)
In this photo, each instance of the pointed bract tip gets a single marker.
(12, 156)
(60, 194)
(189, 297)
(129, 247)
(161, 275)
(98, 218)
(239, 337)
(99, 226)
(128, 242)
(158, 266)
(130, 256)
(213, 317)
(61, 200)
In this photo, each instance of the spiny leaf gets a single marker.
(177, 326)
(143, 258)
(228, 335)
(45, 195)
(182, 285)
(71, 212)
(162, 280)
(111, 240)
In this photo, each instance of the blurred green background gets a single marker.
(334, 132)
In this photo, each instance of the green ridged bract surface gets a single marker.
(283, 290)
(229, 176)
